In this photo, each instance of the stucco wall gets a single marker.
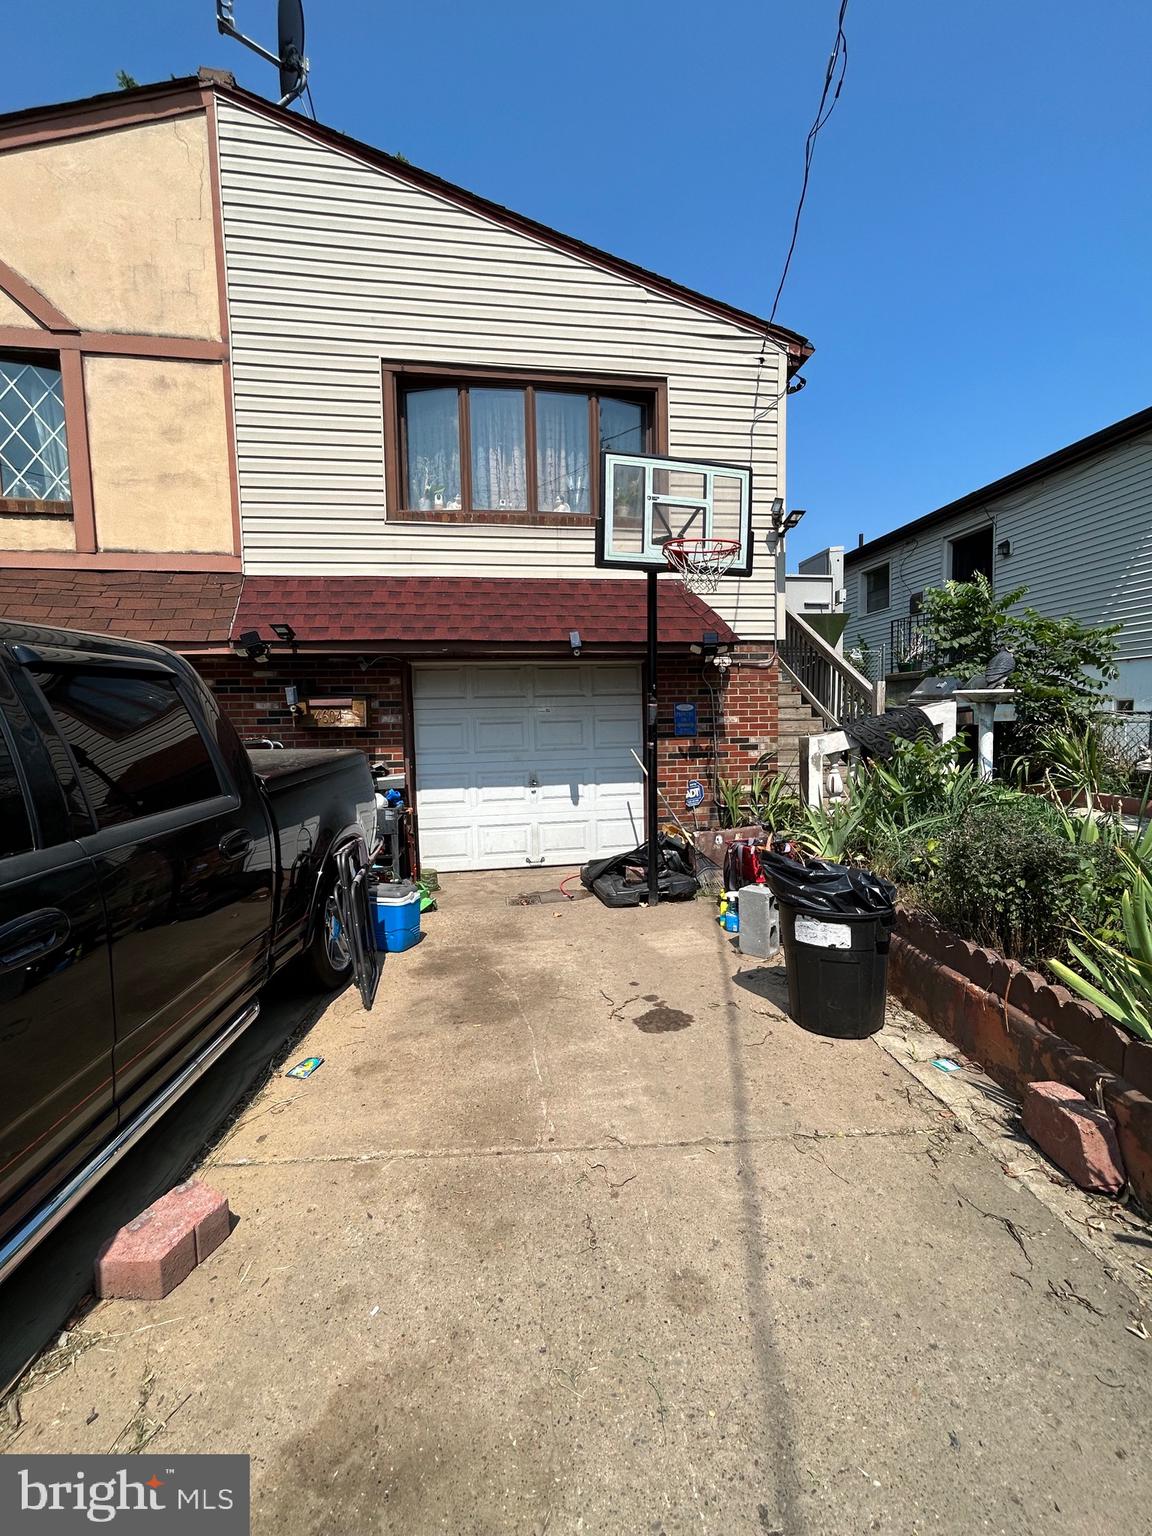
(121, 237)
(28, 533)
(12, 314)
(159, 455)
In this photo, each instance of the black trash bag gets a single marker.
(622, 879)
(830, 890)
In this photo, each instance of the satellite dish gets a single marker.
(293, 66)
(289, 59)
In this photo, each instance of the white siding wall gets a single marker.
(334, 265)
(1081, 543)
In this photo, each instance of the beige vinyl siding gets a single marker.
(335, 265)
(1081, 543)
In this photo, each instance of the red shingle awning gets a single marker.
(175, 608)
(423, 611)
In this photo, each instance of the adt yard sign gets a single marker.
(684, 719)
(694, 794)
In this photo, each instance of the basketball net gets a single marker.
(700, 563)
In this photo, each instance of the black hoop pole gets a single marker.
(651, 761)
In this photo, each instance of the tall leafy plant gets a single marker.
(1062, 667)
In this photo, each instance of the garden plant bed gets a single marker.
(1023, 1029)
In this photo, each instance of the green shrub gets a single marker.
(1009, 878)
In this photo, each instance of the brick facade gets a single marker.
(745, 719)
(252, 697)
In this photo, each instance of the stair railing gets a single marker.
(831, 685)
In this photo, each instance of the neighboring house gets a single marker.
(255, 373)
(1075, 528)
(817, 583)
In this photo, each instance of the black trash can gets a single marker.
(835, 926)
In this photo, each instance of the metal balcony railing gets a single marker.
(912, 647)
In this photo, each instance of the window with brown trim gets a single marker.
(470, 446)
(34, 478)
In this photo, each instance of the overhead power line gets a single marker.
(829, 96)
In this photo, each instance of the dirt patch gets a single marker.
(662, 1020)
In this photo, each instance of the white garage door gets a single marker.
(521, 765)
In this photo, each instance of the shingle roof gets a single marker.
(470, 610)
(176, 608)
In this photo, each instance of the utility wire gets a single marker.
(829, 96)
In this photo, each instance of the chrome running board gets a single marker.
(37, 1226)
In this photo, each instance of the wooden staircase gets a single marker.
(797, 719)
(819, 690)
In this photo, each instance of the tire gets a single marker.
(328, 958)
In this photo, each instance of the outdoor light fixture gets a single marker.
(284, 632)
(574, 641)
(1004, 548)
(783, 522)
(250, 644)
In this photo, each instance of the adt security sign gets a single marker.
(684, 719)
(694, 794)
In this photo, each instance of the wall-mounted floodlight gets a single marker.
(574, 641)
(784, 522)
(249, 644)
(284, 632)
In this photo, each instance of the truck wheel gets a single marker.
(329, 957)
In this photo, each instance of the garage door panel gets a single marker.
(500, 683)
(442, 736)
(622, 681)
(554, 731)
(566, 842)
(502, 734)
(448, 847)
(616, 834)
(496, 792)
(610, 731)
(446, 792)
(612, 786)
(504, 840)
(560, 683)
(444, 683)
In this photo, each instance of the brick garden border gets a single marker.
(1023, 1029)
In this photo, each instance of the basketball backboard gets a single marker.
(646, 500)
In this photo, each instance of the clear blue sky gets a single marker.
(974, 264)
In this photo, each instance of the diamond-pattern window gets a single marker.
(33, 445)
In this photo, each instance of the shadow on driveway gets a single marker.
(56, 1278)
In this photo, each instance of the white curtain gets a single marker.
(433, 432)
(499, 450)
(562, 458)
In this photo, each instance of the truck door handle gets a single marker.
(234, 845)
(29, 938)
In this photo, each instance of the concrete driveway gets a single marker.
(578, 1232)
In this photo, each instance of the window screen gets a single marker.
(15, 829)
(137, 748)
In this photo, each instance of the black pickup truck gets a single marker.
(153, 876)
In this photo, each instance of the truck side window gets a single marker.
(137, 748)
(15, 828)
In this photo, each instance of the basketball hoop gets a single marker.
(700, 563)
